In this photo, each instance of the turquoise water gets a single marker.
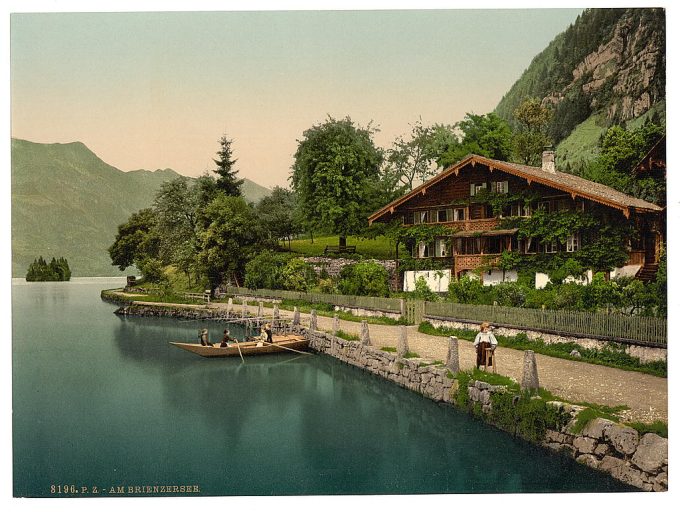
(104, 401)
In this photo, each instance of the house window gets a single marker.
(421, 217)
(563, 204)
(440, 248)
(458, 214)
(527, 210)
(549, 247)
(408, 218)
(499, 187)
(515, 210)
(445, 215)
(544, 205)
(423, 250)
(529, 246)
(476, 187)
(572, 243)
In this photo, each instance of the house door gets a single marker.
(651, 248)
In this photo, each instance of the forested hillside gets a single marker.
(607, 68)
(66, 201)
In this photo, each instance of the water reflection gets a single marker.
(101, 398)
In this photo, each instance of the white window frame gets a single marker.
(573, 243)
(448, 215)
(476, 187)
(441, 249)
(457, 214)
(499, 187)
(545, 205)
(550, 247)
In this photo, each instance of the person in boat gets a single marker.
(269, 334)
(204, 338)
(227, 339)
(484, 340)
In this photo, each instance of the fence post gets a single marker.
(365, 337)
(276, 312)
(296, 316)
(452, 359)
(530, 371)
(402, 346)
(260, 313)
(230, 305)
(312, 320)
(336, 325)
(244, 309)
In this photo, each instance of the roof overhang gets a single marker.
(502, 166)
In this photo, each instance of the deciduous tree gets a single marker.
(335, 163)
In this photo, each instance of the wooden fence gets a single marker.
(639, 328)
(650, 330)
(352, 301)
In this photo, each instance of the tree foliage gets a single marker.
(414, 159)
(231, 236)
(335, 164)
(136, 240)
(277, 214)
(485, 135)
(531, 136)
(56, 270)
(620, 151)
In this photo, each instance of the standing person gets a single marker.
(204, 337)
(484, 339)
(268, 331)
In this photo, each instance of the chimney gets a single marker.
(548, 163)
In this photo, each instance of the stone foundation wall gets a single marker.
(430, 381)
(645, 354)
(640, 461)
(369, 312)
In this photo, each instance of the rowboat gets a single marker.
(281, 343)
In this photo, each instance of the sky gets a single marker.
(158, 89)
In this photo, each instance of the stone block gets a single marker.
(597, 428)
(589, 460)
(660, 482)
(624, 439)
(602, 449)
(651, 453)
(529, 371)
(622, 470)
(585, 444)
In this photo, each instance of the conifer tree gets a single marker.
(227, 181)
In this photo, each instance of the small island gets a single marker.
(56, 270)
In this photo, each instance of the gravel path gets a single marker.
(645, 395)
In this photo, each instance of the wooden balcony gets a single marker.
(462, 262)
(474, 225)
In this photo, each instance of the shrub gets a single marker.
(152, 270)
(298, 275)
(422, 291)
(266, 270)
(510, 294)
(466, 290)
(364, 278)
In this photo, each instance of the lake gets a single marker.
(103, 401)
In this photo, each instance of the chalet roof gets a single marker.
(655, 157)
(574, 185)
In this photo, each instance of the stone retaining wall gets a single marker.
(430, 381)
(334, 266)
(640, 461)
(645, 354)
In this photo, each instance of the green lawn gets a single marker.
(379, 248)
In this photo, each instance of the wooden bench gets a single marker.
(337, 249)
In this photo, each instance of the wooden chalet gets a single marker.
(449, 199)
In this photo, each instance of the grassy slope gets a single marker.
(580, 146)
(380, 248)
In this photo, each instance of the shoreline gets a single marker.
(619, 450)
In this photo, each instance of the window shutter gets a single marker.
(472, 189)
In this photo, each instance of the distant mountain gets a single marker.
(608, 67)
(67, 202)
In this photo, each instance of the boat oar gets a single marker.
(239, 351)
(288, 348)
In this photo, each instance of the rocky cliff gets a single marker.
(610, 63)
